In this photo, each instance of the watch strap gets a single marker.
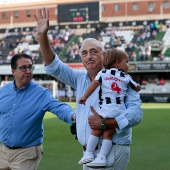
(103, 121)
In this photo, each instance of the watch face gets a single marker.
(103, 126)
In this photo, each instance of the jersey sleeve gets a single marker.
(132, 83)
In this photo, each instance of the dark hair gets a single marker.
(18, 56)
(112, 55)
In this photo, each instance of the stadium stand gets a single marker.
(138, 43)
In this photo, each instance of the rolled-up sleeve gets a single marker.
(63, 72)
(133, 114)
(53, 66)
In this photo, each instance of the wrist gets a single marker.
(85, 97)
(111, 123)
(103, 124)
(74, 117)
(42, 34)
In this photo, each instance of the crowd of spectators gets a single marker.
(137, 50)
(12, 43)
(27, 42)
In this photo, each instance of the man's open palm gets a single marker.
(42, 18)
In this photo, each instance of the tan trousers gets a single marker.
(20, 159)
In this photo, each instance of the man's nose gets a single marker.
(89, 55)
(28, 70)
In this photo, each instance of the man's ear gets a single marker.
(13, 72)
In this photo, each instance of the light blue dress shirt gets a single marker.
(22, 112)
(80, 80)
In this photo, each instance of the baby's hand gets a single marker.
(138, 88)
(82, 100)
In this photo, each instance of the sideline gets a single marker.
(49, 115)
(155, 105)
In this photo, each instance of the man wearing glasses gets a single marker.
(23, 104)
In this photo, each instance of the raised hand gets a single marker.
(42, 18)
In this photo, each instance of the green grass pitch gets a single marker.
(149, 150)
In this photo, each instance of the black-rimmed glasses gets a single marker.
(24, 68)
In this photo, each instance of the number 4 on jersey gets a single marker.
(115, 87)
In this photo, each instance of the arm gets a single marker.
(62, 110)
(133, 114)
(42, 18)
(92, 87)
(138, 88)
(54, 66)
(129, 118)
(133, 84)
(95, 121)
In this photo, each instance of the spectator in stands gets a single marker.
(167, 22)
(156, 26)
(35, 56)
(27, 51)
(8, 59)
(80, 40)
(161, 57)
(142, 53)
(77, 55)
(3, 45)
(133, 56)
(112, 42)
(144, 82)
(148, 53)
(1, 58)
(23, 105)
(162, 81)
(154, 34)
(152, 28)
(157, 82)
(11, 46)
(92, 53)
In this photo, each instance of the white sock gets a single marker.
(106, 147)
(92, 143)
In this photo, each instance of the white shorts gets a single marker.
(110, 110)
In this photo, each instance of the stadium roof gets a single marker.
(20, 3)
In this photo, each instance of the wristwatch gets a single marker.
(103, 124)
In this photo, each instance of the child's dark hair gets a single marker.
(18, 56)
(112, 55)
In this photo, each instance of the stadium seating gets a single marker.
(151, 88)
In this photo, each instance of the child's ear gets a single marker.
(117, 63)
(104, 54)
